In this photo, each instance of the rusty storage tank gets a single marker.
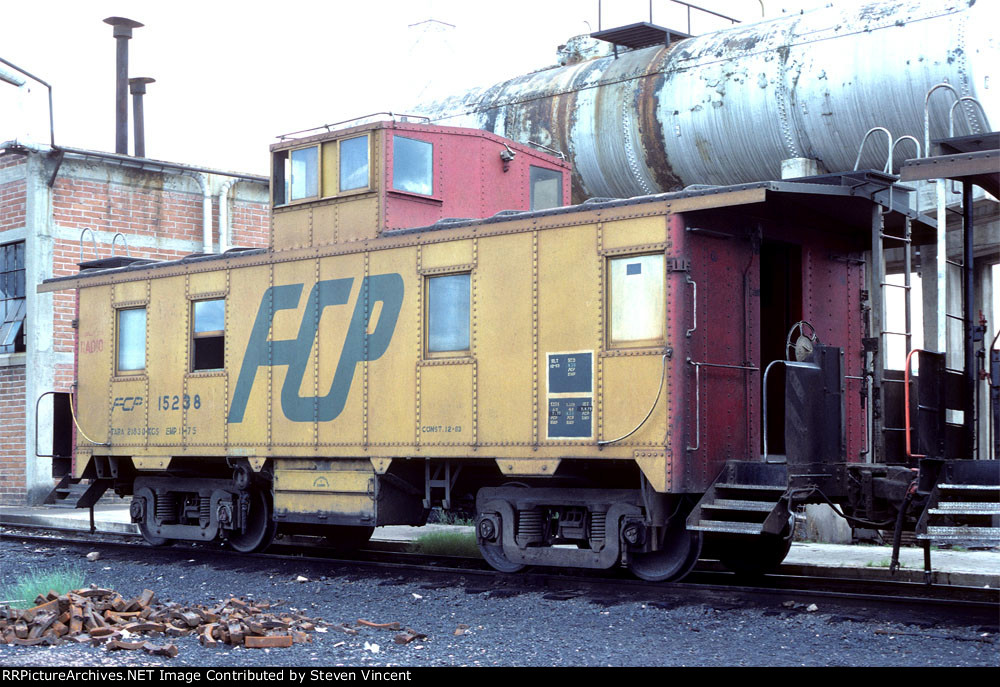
(728, 107)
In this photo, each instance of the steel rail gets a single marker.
(963, 604)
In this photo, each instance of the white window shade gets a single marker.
(637, 299)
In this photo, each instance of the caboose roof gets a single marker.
(840, 203)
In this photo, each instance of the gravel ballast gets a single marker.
(469, 623)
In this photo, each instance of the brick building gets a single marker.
(48, 202)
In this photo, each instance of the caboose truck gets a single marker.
(599, 375)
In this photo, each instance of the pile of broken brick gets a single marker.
(104, 617)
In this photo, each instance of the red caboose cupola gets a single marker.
(351, 184)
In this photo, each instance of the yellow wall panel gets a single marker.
(96, 349)
(128, 412)
(204, 410)
(330, 173)
(446, 404)
(130, 292)
(629, 390)
(291, 229)
(285, 326)
(206, 283)
(357, 220)
(638, 231)
(324, 225)
(251, 283)
(568, 308)
(391, 380)
(450, 254)
(168, 323)
(504, 338)
(345, 403)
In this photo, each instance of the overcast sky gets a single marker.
(230, 78)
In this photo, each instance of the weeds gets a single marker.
(447, 544)
(40, 582)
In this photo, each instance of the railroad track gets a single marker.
(709, 584)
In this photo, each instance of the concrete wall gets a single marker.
(160, 213)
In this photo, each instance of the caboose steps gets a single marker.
(964, 507)
(728, 527)
(77, 493)
(744, 500)
(735, 504)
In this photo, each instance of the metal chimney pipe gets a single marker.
(122, 32)
(137, 86)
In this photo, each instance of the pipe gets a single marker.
(224, 219)
(968, 307)
(137, 87)
(122, 33)
(206, 216)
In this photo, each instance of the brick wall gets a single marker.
(12, 204)
(153, 210)
(12, 484)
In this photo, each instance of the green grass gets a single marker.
(885, 563)
(444, 517)
(39, 582)
(447, 544)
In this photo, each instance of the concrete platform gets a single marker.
(971, 568)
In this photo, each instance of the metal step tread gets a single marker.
(964, 532)
(753, 487)
(965, 508)
(725, 526)
(736, 504)
(971, 487)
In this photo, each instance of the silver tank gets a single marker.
(728, 107)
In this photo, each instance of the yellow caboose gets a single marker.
(434, 325)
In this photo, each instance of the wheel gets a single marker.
(798, 344)
(494, 555)
(151, 538)
(260, 526)
(756, 556)
(489, 538)
(676, 558)
(142, 509)
(347, 537)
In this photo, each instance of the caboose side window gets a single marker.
(412, 165)
(354, 163)
(546, 188)
(208, 339)
(131, 340)
(637, 299)
(448, 313)
(303, 176)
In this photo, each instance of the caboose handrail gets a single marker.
(861, 148)
(767, 370)
(697, 394)
(906, 405)
(93, 239)
(927, 112)
(951, 114)
(114, 240)
(329, 127)
(694, 285)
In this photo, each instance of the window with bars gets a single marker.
(12, 297)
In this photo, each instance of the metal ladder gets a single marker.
(876, 353)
